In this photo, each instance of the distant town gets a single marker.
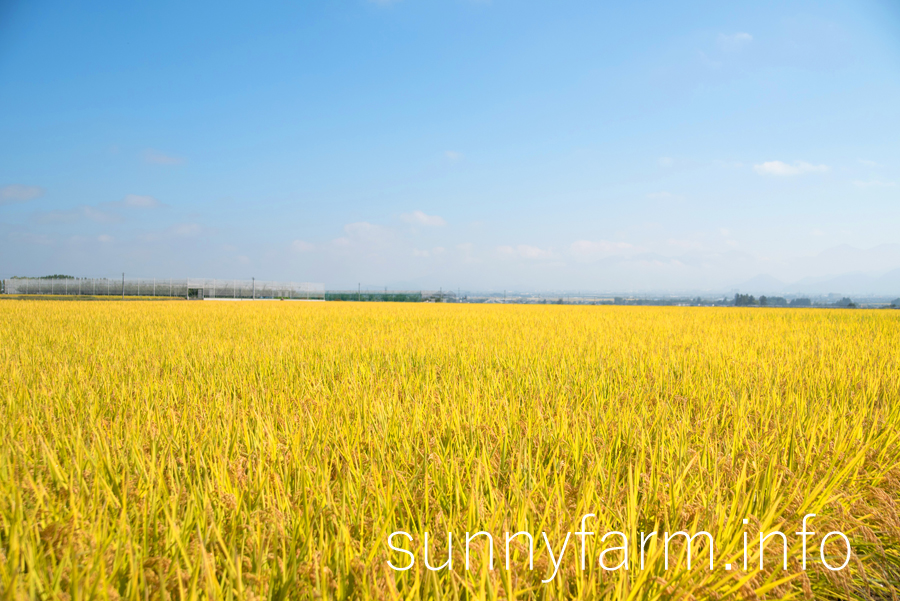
(60, 285)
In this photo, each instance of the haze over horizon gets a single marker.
(480, 144)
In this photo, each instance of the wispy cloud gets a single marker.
(734, 41)
(782, 169)
(363, 232)
(727, 164)
(868, 163)
(19, 193)
(525, 251)
(684, 244)
(135, 201)
(663, 196)
(58, 216)
(178, 230)
(301, 246)
(154, 157)
(420, 218)
(590, 249)
(453, 155)
(874, 184)
(434, 252)
(76, 214)
(105, 212)
(31, 238)
(186, 230)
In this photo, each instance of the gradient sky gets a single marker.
(457, 143)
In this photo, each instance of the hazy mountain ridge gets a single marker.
(847, 283)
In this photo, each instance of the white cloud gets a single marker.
(420, 218)
(453, 155)
(139, 202)
(734, 41)
(363, 232)
(363, 229)
(782, 169)
(19, 193)
(99, 215)
(421, 253)
(105, 238)
(155, 157)
(666, 161)
(868, 163)
(186, 230)
(300, 246)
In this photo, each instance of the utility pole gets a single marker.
(123, 285)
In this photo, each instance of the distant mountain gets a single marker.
(850, 283)
(846, 259)
(887, 284)
(762, 284)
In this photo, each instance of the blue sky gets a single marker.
(640, 146)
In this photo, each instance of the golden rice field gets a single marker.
(268, 450)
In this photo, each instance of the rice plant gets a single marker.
(175, 450)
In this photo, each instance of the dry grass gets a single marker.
(266, 450)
